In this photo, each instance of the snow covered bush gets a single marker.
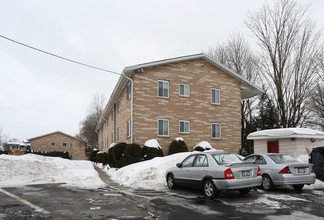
(152, 149)
(93, 155)
(115, 152)
(177, 146)
(132, 154)
(202, 146)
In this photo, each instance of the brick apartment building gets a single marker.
(59, 141)
(193, 97)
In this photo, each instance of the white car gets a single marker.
(212, 171)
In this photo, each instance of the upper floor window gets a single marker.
(118, 135)
(53, 143)
(215, 96)
(129, 128)
(216, 131)
(71, 145)
(163, 127)
(163, 88)
(129, 91)
(64, 144)
(184, 126)
(184, 90)
(112, 114)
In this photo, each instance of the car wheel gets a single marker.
(298, 187)
(244, 191)
(267, 184)
(170, 181)
(209, 189)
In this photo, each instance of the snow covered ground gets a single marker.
(35, 169)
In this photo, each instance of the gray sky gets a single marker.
(40, 94)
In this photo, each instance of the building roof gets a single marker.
(285, 133)
(248, 89)
(54, 133)
(18, 141)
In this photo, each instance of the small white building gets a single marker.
(291, 141)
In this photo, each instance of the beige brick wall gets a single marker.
(197, 108)
(44, 143)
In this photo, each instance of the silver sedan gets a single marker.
(214, 171)
(281, 169)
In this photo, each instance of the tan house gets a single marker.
(193, 97)
(18, 144)
(291, 141)
(59, 141)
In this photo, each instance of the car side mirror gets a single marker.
(179, 165)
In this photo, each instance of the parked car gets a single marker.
(280, 169)
(212, 171)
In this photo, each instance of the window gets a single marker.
(163, 127)
(118, 105)
(201, 161)
(188, 161)
(71, 145)
(215, 96)
(112, 114)
(129, 91)
(163, 88)
(184, 90)
(118, 135)
(64, 144)
(112, 138)
(129, 128)
(71, 156)
(216, 130)
(53, 144)
(184, 126)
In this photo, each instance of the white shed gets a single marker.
(291, 141)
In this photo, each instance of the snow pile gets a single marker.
(179, 139)
(35, 169)
(204, 145)
(286, 133)
(152, 143)
(112, 145)
(148, 174)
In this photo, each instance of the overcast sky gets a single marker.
(41, 94)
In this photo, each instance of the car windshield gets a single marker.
(281, 158)
(227, 158)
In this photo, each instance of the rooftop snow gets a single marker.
(286, 133)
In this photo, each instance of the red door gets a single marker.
(273, 146)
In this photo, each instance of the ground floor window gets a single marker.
(118, 135)
(129, 128)
(184, 126)
(216, 130)
(163, 127)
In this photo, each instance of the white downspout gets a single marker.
(132, 89)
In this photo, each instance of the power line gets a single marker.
(60, 57)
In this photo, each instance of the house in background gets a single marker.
(18, 144)
(193, 97)
(59, 141)
(291, 141)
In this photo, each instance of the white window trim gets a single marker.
(183, 84)
(184, 132)
(71, 144)
(163, 119)
(220, 132)
(128, 91)
(129, 128)
(163, 81)
(215, 103)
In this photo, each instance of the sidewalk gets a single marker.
(103, 176)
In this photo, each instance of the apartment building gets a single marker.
(194, 97)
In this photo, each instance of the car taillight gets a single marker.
(228, 174)
(259, 171)
(313, 169)
(285, 170)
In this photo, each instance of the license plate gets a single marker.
(301, 170)
(245, 173)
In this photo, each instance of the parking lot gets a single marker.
(116, 202)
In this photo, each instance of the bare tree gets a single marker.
(237, 55)
(3, 137)
(289, 45)
(88, 125)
